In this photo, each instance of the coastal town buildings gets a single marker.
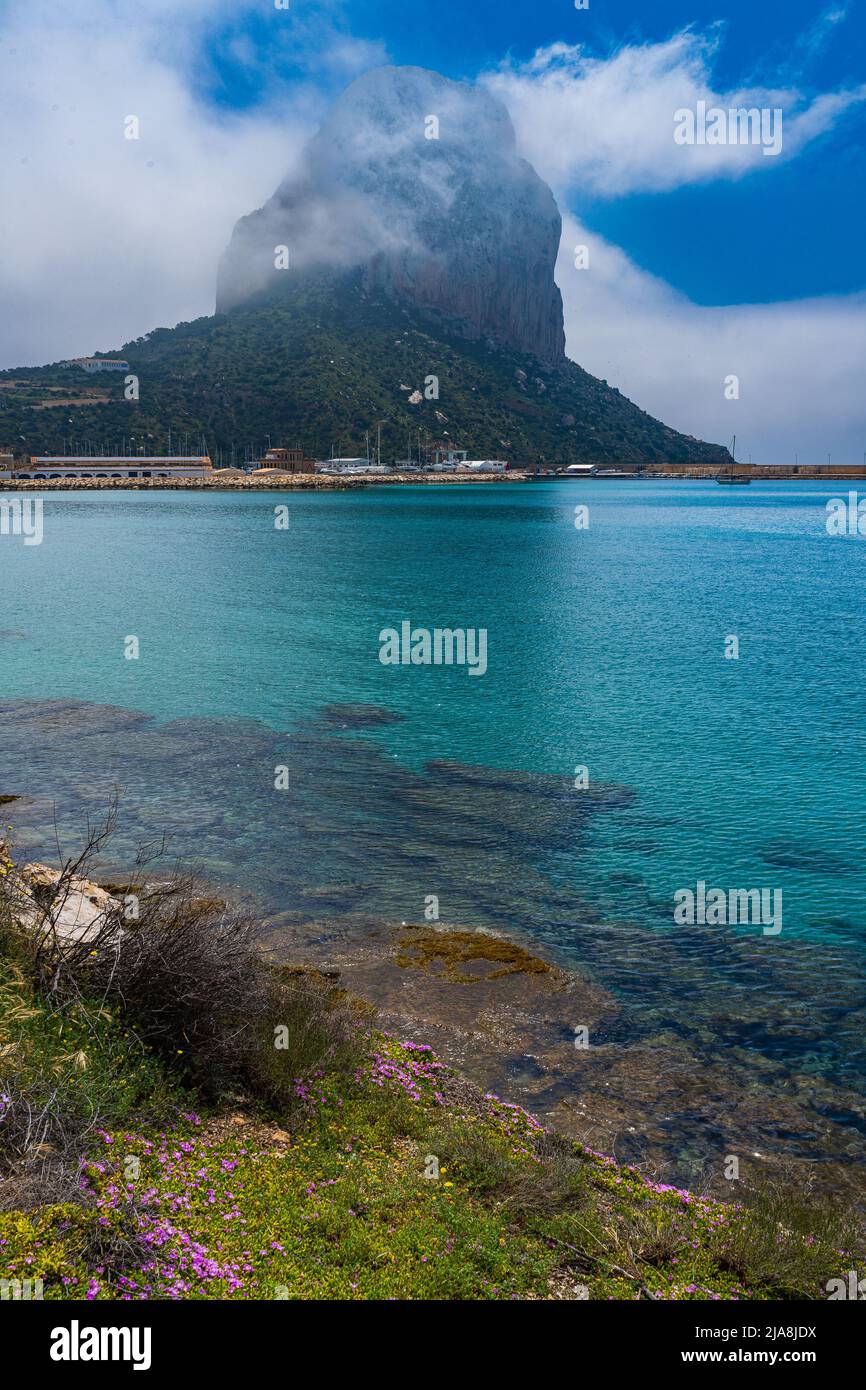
(454, 460)
(349, 466)
(287, 460)
(50, 466)
(98, 364)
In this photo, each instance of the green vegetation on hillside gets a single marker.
(320, 368)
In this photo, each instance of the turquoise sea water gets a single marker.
(605, 649)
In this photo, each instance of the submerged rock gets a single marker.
(50, 718)
(359, 716)
(809, 859)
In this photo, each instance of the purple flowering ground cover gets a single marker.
(394, 1181)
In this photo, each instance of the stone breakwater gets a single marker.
(247, 483)
(315, 482)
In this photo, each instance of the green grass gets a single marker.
(389, 1180)
(85, 1052)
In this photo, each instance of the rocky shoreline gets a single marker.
(685, 1064)
(510, 1020)
(222, 481)
(283, 482)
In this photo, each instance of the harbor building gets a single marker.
(50, 466)
(286, 460)
(458, 461)
(482, 466)
(337, 466)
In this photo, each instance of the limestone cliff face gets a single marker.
(416, 180)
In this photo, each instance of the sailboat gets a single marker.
(731, 478)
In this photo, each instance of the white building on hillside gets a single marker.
(98, 364)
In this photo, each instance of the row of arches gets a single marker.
(48, 477)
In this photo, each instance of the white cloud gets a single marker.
(821, 31)
(800, 364)
(103, 238)
(606, 125)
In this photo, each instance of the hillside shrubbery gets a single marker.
(322, 367)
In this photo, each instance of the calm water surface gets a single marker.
(605, 649)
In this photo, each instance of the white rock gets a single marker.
(76, 915)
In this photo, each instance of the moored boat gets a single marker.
(732, 479)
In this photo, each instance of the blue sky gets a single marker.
(790, 231)
(703, 261)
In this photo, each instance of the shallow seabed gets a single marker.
(258, 648)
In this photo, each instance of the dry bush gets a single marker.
(42, 1138)
(478, 1159)
(113, 1242)
(53, 958)
(188, 977)
(558, 1184)
(647, 1234)
(790, 1239)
